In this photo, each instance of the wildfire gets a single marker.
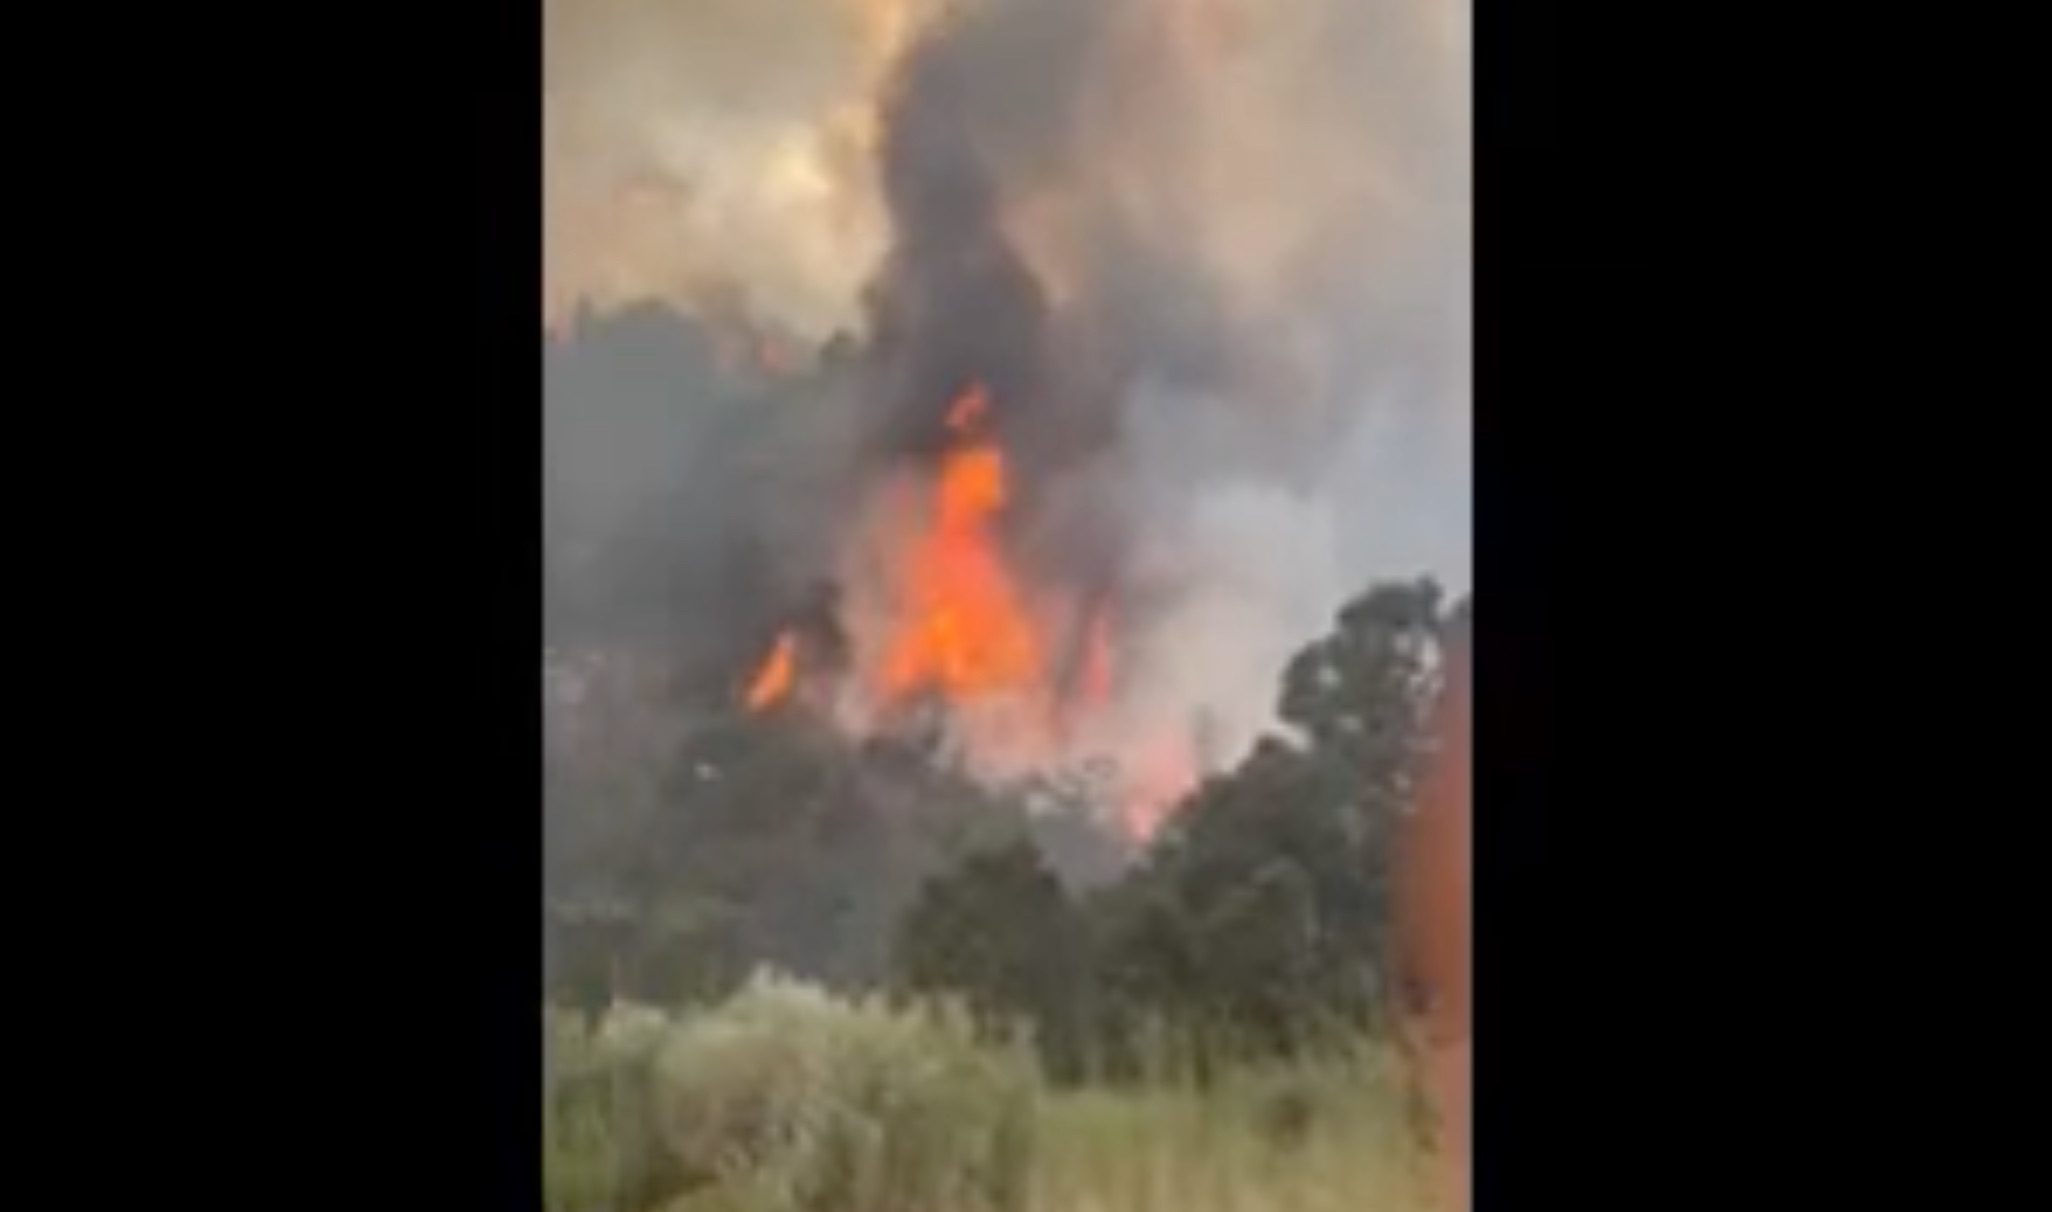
(963, 630)
(1029, 676)
(773, 681)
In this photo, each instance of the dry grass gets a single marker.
(1334, 1137)
(791, 1101)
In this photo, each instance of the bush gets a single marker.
(599, 1148)
(787, 1099)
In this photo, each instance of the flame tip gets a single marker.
(772, 681)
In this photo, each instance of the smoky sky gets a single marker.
(688, 501)
(1210, 257)
(1097, 104)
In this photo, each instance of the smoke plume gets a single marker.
(1208, 257)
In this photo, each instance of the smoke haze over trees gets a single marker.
(1210, 258)
(1255, 923)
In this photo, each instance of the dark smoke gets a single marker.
(1209, 258)
(688, 502)
(956, 305)
(985, 102)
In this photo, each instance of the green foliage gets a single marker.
(598, 1144)
(1328, 1134)
(1000, 932)
(1256, 923)
(785, 1099)
(1260, 916)
(770, 841)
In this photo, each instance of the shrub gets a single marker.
(806, 1102)
(788, 1099)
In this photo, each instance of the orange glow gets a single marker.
(773, 681)
(963, 630)
(1028, 675)
(1159, 776)
(968, 409)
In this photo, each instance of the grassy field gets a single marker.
(789, 1100)
(1336, 1138)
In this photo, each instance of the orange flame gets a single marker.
(964, 631)
(773, 681)
(1023, 691)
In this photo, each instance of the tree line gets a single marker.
(1255, 922)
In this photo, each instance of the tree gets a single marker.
(774, 840)
(1260, 917)
(1258, 920)
(1000, 932)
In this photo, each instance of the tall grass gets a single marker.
(786, 1099)
(1305, 1137)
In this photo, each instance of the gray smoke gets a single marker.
(1211, 259)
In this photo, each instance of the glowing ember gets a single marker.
(963, 631)
(773, 681)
